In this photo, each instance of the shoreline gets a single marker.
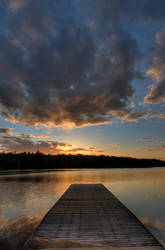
(33, 171)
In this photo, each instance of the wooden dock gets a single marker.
(90, 216)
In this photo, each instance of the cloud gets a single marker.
(159, 141)
(161, 113)
(28, 136)
(27, 144)
(6, 131)
(73, 63)
(11, 143)
(158, 115)
(15, 4)
(145, 139)
(57, 69)
(127, 115)
(157, 71)
(155, 148)
(116, 145)
(162, 147)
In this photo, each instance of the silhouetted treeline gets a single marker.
(41, 161)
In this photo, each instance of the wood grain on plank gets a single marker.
(90, 216)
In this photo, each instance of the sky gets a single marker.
(83, 77)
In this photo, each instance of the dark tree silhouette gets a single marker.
(41, 161)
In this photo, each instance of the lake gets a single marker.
(26, 197)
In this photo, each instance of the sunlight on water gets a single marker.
(26, 198)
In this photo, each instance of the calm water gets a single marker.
(26, 198)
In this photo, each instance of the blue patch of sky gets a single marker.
(127, 133)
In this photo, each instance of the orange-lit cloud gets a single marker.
(145, 139)
(76, 71)
(157, 71)
(28, 136)
(81, 83)
(25, 143)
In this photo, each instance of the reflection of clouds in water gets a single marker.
(26, 196)
(31, 192)
(104, 175)
(156, 227)
(13, 236)
(120, 189)
(152, 196)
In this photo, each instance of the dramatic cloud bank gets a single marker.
(73, 62)
(58, 69)
(157, 71)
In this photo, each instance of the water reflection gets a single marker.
(25, 198)
(14, 235)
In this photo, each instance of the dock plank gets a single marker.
(90, 216)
